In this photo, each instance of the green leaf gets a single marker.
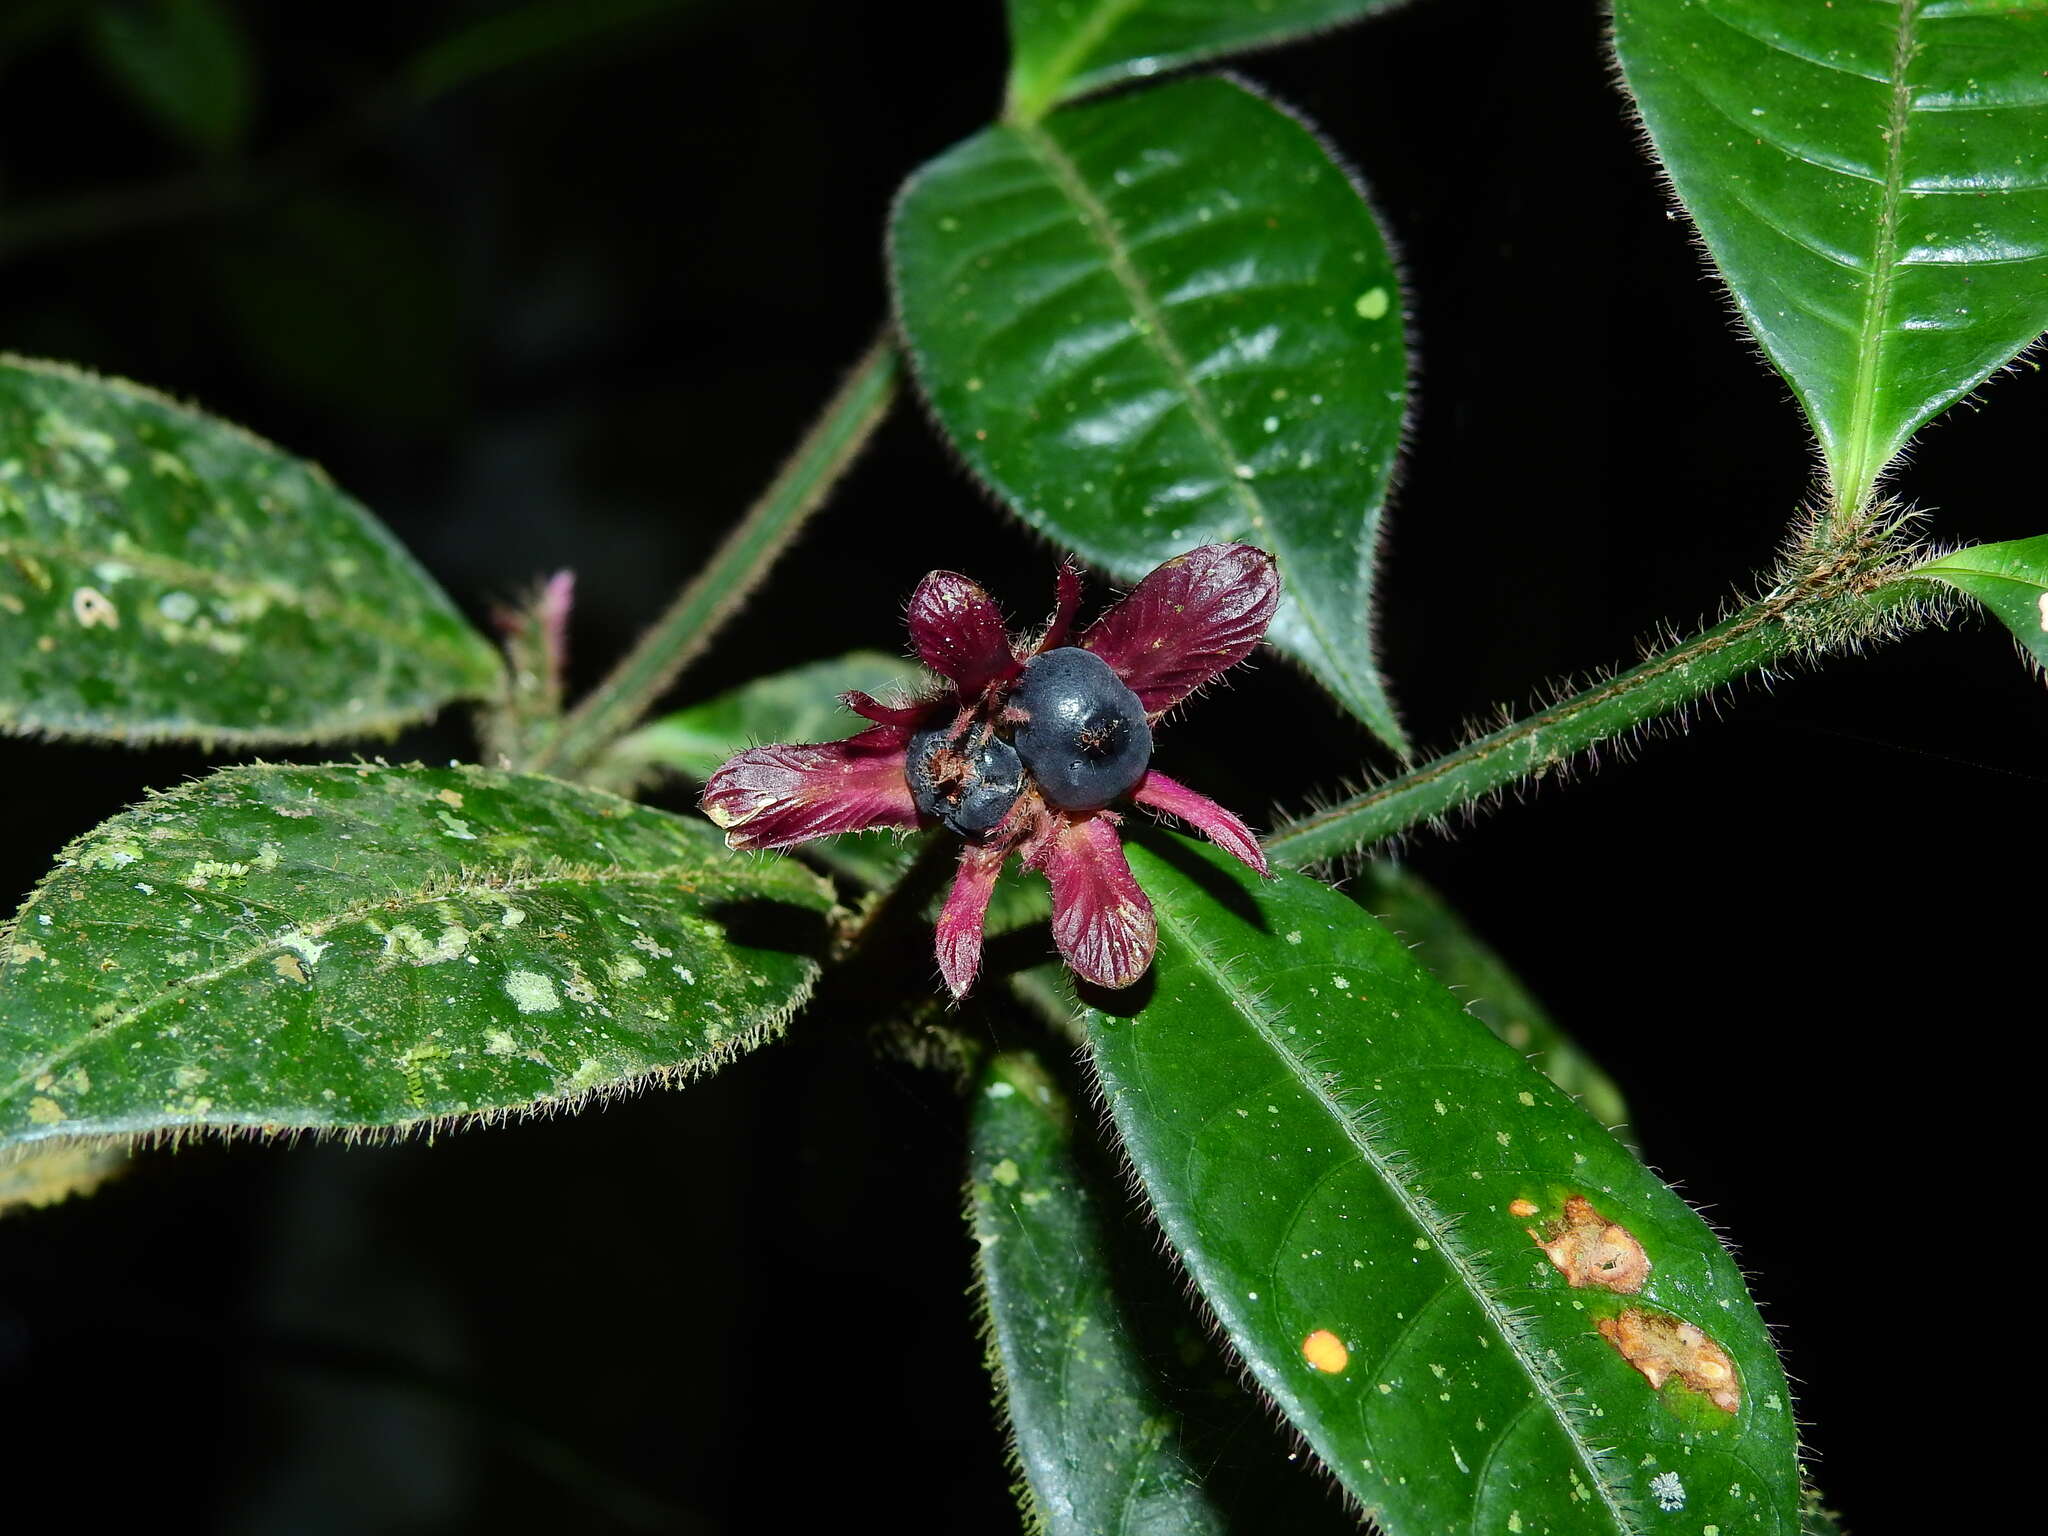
(1168, 320)
(2010, 579)
(1357, 1173)
(1872, 181)
(801, 704)
(1061, 49)
(1491, 992)
(1123, 1418)
(1097, 1444)
(163, 574)
(185, 62)
(365, 946)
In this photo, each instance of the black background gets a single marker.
(572, 315)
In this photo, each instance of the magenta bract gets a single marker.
(1180, 628)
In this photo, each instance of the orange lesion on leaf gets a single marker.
(1325, 1351)
(1588, 1249)
(1661, 1347)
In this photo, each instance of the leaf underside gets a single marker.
(1355, 1172)
(1871, 178)
(359, 946)
(1167, 320)
(1061, 49)
(166, 575)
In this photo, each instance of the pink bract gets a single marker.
(1182, 627)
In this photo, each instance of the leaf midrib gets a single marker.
(1059, 71)
(1862, 476)
(1419, 1208)
(1095, 218)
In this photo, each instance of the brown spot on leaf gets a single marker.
(1588, 1249)
(1522, 1208)
(1662, 1346)
(289, 968)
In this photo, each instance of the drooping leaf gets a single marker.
(1363, 1183)
(48, 1175)
(1098, 1447)
(346, 946)
(1123, 1417)
(1168, 320)
(801, 704)
(1871, 178)
(186, 62)
(1491, 992)
(2010, 579)
(1060, 49)
(163, 574)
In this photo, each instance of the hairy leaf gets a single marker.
(1491, 992)
(358, 946)
(1124, 1419)
(2010, 579)
(185, 62)
(801, 704)
(1094, 1438)
(163, 574)
(1871, 178)
(1065, 48)
(1166, 320)
(1363, 1181)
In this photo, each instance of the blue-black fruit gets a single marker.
(968, 784)
(1085, 738)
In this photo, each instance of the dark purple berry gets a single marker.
(968, 782)
(1084, 735)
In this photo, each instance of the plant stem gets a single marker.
(834, 441)
(1765, 632)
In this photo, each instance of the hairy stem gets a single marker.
(834, 441)
(1848, 595)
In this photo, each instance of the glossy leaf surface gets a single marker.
(1125, 1420)
(1871, 178)
(1357, 1175)
(2010, 579)
(801, 704)
(1168, 320)
(1491, 993)
(1060, 49)
(1097, 1444)
(366, 946)
(163, 574)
